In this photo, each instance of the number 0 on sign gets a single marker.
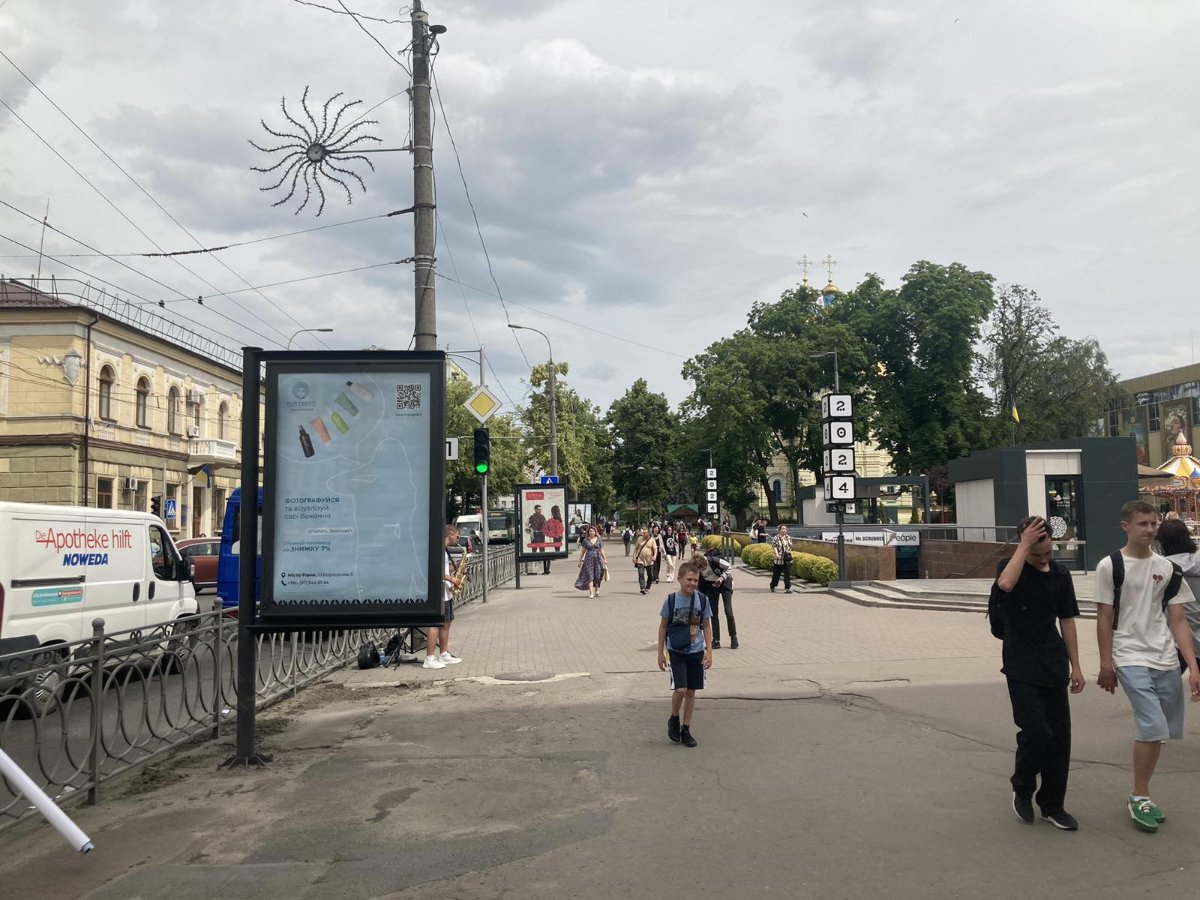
(838, 433)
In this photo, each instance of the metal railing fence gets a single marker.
(76, 715)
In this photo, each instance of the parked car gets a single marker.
(203, 554)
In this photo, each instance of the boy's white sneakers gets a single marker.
(449, 658)
(433, 662)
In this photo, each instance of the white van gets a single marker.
(63, 566)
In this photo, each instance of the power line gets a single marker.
(138, 185)
(549, 315)
(474, 215)
(355, 15)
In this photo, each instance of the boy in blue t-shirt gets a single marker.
(689, 628)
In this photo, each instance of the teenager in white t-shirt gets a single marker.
(1141, 652)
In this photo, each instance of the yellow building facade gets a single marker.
(97, 412)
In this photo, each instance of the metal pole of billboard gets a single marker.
(245, 753)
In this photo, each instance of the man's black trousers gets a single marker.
(1043, 715)
(716, 594)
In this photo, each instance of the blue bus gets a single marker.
(230, 556)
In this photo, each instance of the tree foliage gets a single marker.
(644, 431)
(1060, 386)
(508, 460)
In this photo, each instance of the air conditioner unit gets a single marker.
(193, 431)
(130, 484)
(195, 397)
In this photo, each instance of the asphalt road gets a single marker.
(844, 752)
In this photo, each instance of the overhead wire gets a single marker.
(149, 196)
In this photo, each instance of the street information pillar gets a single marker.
(841, 486)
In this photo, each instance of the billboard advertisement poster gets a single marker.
(1134, 424)
(1175, 422)
(540, 510)
(354, 489)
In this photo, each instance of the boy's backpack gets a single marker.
(995, 608)
(679, 636)
(368, 655)
(1169, 592)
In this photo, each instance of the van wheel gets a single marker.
(182, 643)
(41, 689)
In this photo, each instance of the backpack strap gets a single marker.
(1118, 576)
(1173, 584)
(671, 608)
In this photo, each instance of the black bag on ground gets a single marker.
(368, 656)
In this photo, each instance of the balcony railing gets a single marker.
(206, 450)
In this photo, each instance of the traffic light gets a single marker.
(483, 451)
(156, 505)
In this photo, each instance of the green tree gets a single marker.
(644, 432)
(508, 461)
(584, 452)
(928, 407)
(1060, 386)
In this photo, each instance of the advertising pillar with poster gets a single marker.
(540, 509)
(353, 489)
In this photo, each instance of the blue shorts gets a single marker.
(687, 671)
(1156, 696)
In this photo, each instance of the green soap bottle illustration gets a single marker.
(347, 404)
(338, 422)
(306, 443)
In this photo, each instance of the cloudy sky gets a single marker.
(642, 171)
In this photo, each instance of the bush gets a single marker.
(758, 556)
(711, 542)
(818, 569)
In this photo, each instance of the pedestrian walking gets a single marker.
(781, 547)
(716, 580)
(656, 533)
(670, 550)
(1142, 631)
(1032, 595)
(685, 638)
(627, 538)
(593, 564)
(644, 555)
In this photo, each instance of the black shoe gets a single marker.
(772, 589)
(1061, 819)
(685, 736)
(1023, 807)
(716, 645)
(733, 643)
(673, 728)
(642, 591)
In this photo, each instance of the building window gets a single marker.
(222, 415)
(143, 403)
(104, 493)
(777, 490)
(173, 410)
(107, 377)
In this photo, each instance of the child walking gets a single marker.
(1138, 649)
(685, 633)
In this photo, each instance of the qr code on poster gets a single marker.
(408, 396)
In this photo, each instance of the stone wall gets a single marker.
(863, 563)
(961, 559)
(47, 475)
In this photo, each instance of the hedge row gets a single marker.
(713, 541)
(805, 566)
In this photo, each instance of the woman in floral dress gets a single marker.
(592, 562)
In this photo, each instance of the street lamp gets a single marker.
(304, 331)
(837, 387)
(553, 399)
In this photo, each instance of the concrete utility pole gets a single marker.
(424, 226)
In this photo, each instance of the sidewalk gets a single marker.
(845, 751)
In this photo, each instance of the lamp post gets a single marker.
(305, 331)
(840, 514)
(553, 399)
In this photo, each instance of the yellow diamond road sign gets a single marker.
(482, 404)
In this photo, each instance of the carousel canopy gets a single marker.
(1181, 464)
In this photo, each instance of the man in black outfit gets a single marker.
(1032, 592)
